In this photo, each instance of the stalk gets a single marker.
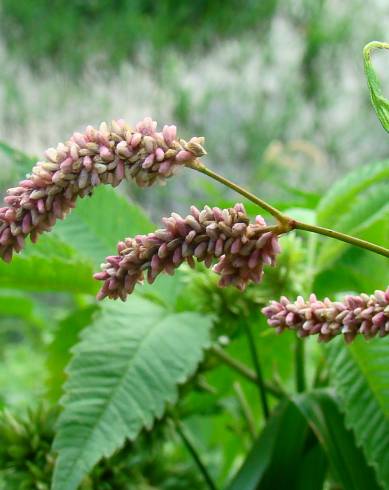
(187, 440)
(258, 370)
(299, 365)
(342, 237)
(247, 413)
(287, 223)
(200, 167)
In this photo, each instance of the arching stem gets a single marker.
(286, 223)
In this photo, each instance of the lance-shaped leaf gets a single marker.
(124, 371)
(277, 456)
(346, 460)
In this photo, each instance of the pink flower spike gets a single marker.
(355, 315)
(188, 239)
(98, 156)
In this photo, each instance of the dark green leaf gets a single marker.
(360, 375)
(347, 461)
(124, 371)
(276, 454)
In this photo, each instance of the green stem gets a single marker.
(257, 367)
(187, 440)
(373, 45)
(342, 237)
(248, 415)
(244, 370)
(285, 222)
(300, 365)
(200, 167)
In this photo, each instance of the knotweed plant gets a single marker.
(240, 249)
(135, 361)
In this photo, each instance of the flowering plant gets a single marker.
(148, 359)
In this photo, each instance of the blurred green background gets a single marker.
(273, 85)
(278, 90)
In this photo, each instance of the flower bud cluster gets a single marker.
(240, 248)
(107, 156)
(362, 314)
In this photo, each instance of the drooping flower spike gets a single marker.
(241, 249)
(107, 156)
(362, 314)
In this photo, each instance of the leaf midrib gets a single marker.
(119, 384)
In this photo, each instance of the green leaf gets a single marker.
(360, 375)
(369, 211)
(341, 195)
(380, 103)
(312, 470)
(355, 271)
(124, 371)
(58, 352)
(276, 454)
(347, 461)
(98, 223)
(50, 265)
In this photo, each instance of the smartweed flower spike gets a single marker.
(363, 314)
(106, 156)
(240, 248)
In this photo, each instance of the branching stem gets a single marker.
(200, 167)
(286, 223)
(342, 237)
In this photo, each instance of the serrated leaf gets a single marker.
(347, 461)
(340, 196)
(124, 371)
(98, 223)
(58, 352)
(360, 375)
(370, 210)
(380, 103)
